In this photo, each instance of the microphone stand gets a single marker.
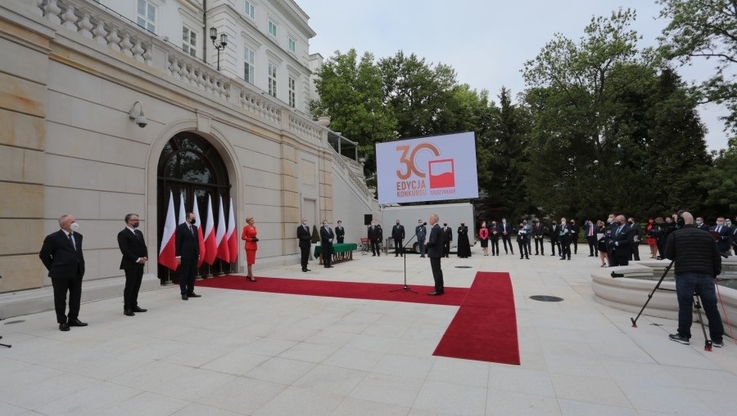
(404, 256)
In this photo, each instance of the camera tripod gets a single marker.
(5, 345)
(697, 305)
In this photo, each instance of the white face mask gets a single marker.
(304, 223)
(74, 226)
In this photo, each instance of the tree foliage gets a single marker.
(705, 29)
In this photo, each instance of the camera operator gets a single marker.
(697, 263)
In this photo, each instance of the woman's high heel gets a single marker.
(251, 278)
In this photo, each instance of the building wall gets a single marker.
(68, 146)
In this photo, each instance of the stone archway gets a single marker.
(190, 166)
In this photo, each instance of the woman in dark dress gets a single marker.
(464, 248)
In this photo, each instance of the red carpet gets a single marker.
(372, 291)
(485, 326)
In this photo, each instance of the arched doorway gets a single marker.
(190, 166)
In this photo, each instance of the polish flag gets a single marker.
(182, 212)
(232, 237)
(168, 251)
(223, 252)
(211, 247)
(198, 221)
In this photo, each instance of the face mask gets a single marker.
(304, 223)
(728, 223)
(610, 220)
(192, 221)
(135, 224)
(445, 225)
(630, 222)
(562, 223)
(74, 226)
(699, 222)
(718, 223)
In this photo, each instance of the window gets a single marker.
(272, 79)
(292, 45)
(249, 10)
(249, 64)
(146, 15)
(292, 93)
(189, 41)
(272, 28)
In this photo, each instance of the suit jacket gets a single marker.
(248, 234)
(538, 230)
(447, 234)
(435, 242)
(421, 232)
(505, 228)
(724, 235)
(339, 231)
(133, 247)
(187, 243)
(60, 257)
(304, 236)
(623, 240)
(398, 232)
(374, 233)
(326, 236)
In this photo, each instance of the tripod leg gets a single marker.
(697, 306)
(5, 345)
(650, 296)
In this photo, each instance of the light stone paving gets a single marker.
(248, 353)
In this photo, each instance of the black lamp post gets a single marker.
(221, 45)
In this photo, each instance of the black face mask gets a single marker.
(192, 221)
(630, 222)
(135, 224)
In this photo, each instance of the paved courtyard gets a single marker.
(248, 353)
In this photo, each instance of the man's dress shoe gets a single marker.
(63, 327)
(435, 293)
(185, 297)
(139, 309)
(193, 295)
(76, 322)
(128, 312)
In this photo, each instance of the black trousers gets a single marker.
(187, 272)
(636, 251)
(398, 247)
(508, 239)
(375, 247)
(74, 286)
(133, 279)
(494, 246)
(553, 245)
(565, 249)
(592, 245)
(340, 239)
(437, 274)
(522, 249)
(304, 256)
(446, 248)
(541, 243)
(327, 254)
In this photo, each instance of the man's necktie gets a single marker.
(191, 230)
(71, 240)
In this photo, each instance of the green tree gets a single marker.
(351, 95)
(705, 29)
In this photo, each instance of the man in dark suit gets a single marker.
(447, 239)
(591, 236)
(374, 236)
(398, 237)
(554, 237)
(574, 235)
(538, 231)
(188, 254)
(61, 253)
(506, 230)
(135, 255)
(435, 252)
(636, 238)
(326, 242)
(701, 225)
(564, 239)
(421, 233)
(621, 242)
(339, 232)
(305, 242)
(721, 234)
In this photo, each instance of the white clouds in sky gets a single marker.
(486, 41)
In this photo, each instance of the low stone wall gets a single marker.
(629, 293)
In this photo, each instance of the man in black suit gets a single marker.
(554, 232)
(447, 239)
(339, 232)
(305, 242)
(61, 253)
(398, 237)
(636, 238)
(435, 252)
(506, 230)
(591, 236)
(721, 235)
(188, 254)
(326, 241)
(574, 235)
(374, 236)
(135, 255)
(621, 242)
(538, 231)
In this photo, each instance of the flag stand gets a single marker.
(167, 282)
(209, 274)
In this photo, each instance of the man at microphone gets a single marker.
(697, 262)
(435, 252)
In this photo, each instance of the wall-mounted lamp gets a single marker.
(136, 114)
(221, 45)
